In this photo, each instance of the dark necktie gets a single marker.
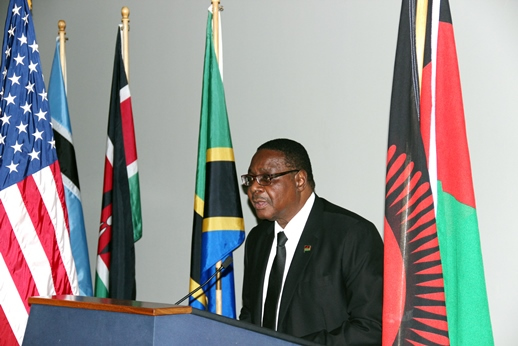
(275, 284)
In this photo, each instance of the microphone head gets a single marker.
(227, 262)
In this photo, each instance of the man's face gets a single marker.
(279, 201)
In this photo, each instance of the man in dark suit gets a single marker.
(329, 270)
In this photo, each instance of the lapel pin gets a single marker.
(307, 248)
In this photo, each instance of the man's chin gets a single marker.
(263, 215)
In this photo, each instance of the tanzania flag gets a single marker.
(434, 291)
(67, 160)
(121, 221)
(218, 226)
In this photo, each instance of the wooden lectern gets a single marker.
(77, 320)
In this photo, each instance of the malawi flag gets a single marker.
(121, 221)
(67, 161)
(35, 254)
(218, 226)
(434, 288)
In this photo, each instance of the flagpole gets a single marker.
(215, 38)
(420, 32)
(62, 25)
(215, 26)
(125, 37)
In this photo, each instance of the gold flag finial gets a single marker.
(62, 26)
(125, 12)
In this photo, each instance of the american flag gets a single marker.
(35, 253)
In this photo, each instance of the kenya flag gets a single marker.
(121, 221)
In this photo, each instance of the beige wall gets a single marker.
(319, 72)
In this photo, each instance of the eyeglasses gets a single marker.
(263, 179)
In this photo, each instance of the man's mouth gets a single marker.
(259, 203)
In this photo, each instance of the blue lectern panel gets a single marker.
(61, 325)
(52, 325)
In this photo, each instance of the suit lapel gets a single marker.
(301, 257)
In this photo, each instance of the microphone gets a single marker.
(225, 264)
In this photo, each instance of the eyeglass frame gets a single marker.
(268, 176)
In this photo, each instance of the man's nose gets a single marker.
(254, 186)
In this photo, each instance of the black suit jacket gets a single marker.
(333, 290)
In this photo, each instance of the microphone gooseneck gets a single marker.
(224, 265)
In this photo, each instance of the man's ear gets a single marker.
(301, 179)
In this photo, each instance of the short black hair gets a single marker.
(295, 155)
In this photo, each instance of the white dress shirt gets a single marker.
(293, 231)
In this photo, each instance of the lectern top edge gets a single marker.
(114, 305)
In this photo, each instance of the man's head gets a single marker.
(275, 196)
(295, 155)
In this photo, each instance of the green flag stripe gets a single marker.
(100, 287)
(136, 213)
(467, 309)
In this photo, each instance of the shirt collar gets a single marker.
(297, 223)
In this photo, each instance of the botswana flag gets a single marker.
(62, 127)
